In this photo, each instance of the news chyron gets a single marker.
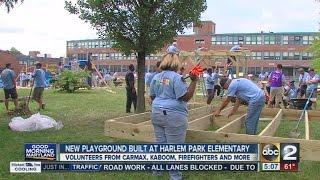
(280, 156)
(50, 157)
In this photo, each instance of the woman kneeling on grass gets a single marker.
(169, 94)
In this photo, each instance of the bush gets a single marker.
(71, 81)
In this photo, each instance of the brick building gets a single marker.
(267, 49)
(20, 62)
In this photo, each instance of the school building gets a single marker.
(267, 49)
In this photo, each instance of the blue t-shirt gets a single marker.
(7, 76)
(150, 77)
(39, 78)
(172, 50)
(314, 85)
(245, 89)
(209, 82)
(167, 87)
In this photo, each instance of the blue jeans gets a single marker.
(169, 127)
(253, 114)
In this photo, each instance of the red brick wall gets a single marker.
(6, 57)
(206, 28)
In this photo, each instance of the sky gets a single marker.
(45, 26)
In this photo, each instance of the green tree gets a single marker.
(138, 26)
(315, 49)
(9, 3)
(15, 51)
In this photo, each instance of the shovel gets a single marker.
(294, 133)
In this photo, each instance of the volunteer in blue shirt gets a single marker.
(312, 85)
(9, 86)
(156, 71)
(172, 49)
(244, 90)
(170, 94)
(39, 85)
(209, 86)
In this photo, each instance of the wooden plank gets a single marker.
(129, 131)
(233, 126)
(135, 118)
(309, 149)
(307, 130)
(265, 119)
(272, 127)
(269, 112)
(291, 114)
(201, 123)
(313, 115)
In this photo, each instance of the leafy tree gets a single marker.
(15, 51)
(138, 26)
(315, 49)
(9, 3)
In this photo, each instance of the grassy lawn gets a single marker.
(83, 115)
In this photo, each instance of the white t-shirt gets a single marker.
(303, 78)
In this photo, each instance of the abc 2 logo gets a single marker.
(279, 152)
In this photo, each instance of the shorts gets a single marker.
(37, 93)
(10, 93)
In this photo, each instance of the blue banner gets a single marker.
(41, 152)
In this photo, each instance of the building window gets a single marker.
(269, 39)
(253, 40)
(233, 40)
(296, 56)
(291, 40)
(285, 39)
(271, 55)
(305, 40)
(297, 40)
(256, 55)
(248, 40)
(291, 55)
(277, 56)
(312, 38)
(259, 40)
(240, 40)
(82, 56)
(199, 41)
(306, 56)
(266, 55)
(115, 68)
(285, 55)
(278, 39)
(220, 40)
